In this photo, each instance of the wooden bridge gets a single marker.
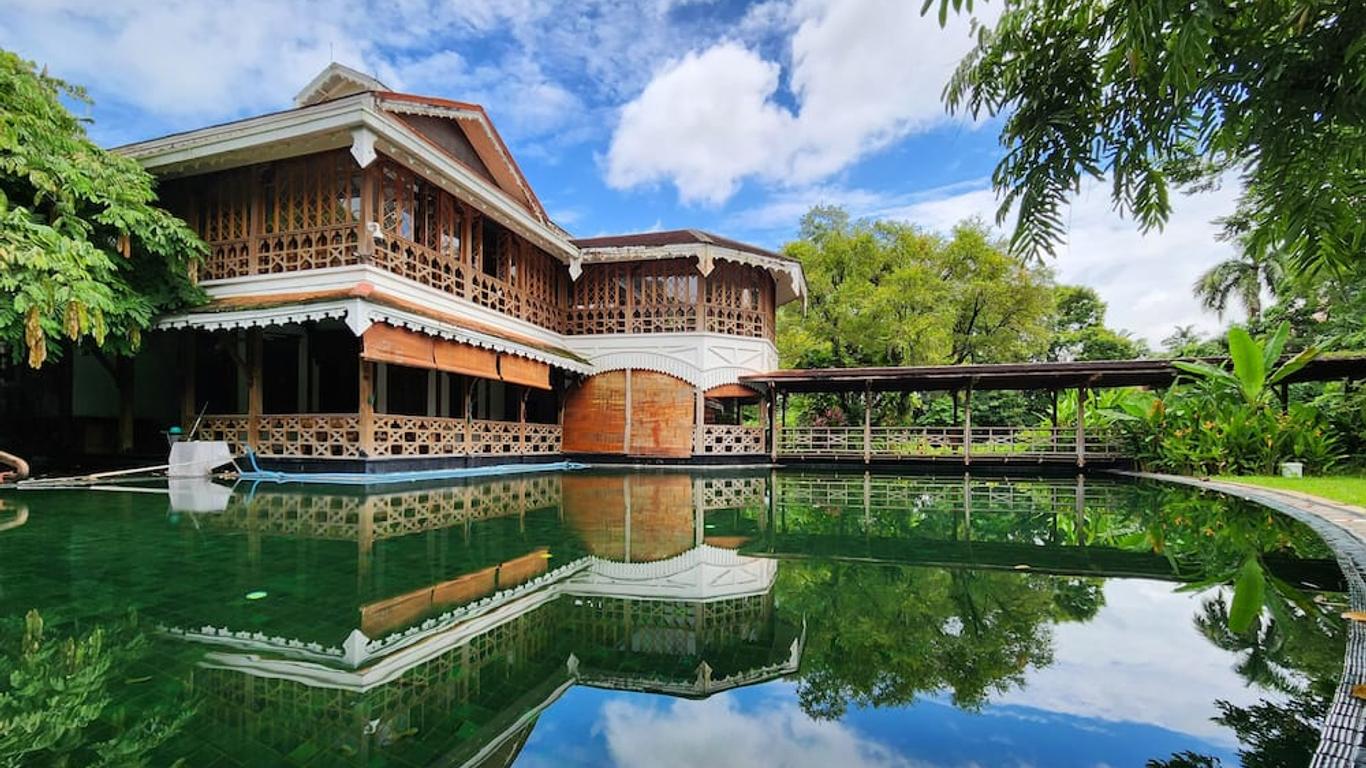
(956, 444)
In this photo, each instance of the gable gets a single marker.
(446, 134)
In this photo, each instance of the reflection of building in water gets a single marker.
(458, 670)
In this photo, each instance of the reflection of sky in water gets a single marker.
(1134, 683)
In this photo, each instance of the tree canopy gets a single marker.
(1154, 93)
(886, 293)
(85, 254)
(1079, 330)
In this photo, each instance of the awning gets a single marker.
(386, 344)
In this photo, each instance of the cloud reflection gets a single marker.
(716, 733)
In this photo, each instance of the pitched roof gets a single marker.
(675, 237)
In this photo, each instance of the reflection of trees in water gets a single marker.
(97, 696)
(881, 635)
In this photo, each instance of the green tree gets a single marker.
(85, 254)
(1244, 276)
(1152, 93)
(885, 293)
(1079, 330)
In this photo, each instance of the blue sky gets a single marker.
(625, 116)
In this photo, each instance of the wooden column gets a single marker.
(626, 437)
(432, 393)
(1081, 426)
(1053, 440)
(365, 242)
(521, 420)
(764, 416)
(467, 397)
(699, 427)
(255, 386)
(867, 426)
(188, 408)
(967, 426)
(366, 407)
(701, 316)
(124, 376)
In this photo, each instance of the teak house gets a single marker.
(387, 292)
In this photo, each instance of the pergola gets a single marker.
(992, 443)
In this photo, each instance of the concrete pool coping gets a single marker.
(1343, 527)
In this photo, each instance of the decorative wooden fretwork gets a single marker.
(308, 213)
(332, 435)
(739, 301)
(233, 430)
(671, 295)
(338, 436)
(730, 439)
(941, 442)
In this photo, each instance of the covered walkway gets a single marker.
(966, 443)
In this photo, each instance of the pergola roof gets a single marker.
(1022, 376)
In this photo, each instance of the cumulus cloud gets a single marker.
(717, 733)
(861, 74)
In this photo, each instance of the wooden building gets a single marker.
(387, 292)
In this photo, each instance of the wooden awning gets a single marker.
(520, 370)
(400, 346)
(387, 344)
(466, 359)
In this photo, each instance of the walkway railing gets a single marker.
(885, 443)
(338, 435)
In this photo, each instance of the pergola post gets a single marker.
(366, 407)
(255, 352)
(778, 419)
(1081, 426)
(867, 426)
(967, 425)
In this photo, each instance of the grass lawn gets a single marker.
(1348, 490)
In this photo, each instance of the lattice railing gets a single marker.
(333, 435)
(232, 430)
(397, 435)
(730, 439)
(320, 435)
(935, 442)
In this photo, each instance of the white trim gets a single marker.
(359, 315)
(320, 86)
(704, 360)
(384, 281)
(705, 253)
(330, 124)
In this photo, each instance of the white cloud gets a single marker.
(862, 74)
(716, 733)
(1130, 679)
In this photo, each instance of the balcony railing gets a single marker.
(339, 435)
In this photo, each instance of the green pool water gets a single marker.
(663, 618)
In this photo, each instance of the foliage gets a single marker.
(1079, 330)
(1226, 421)
(1244, 276)
(1184, 341)
(888, 634)
(68, 701)
(886, 293)
(85, 255)
(1154, 93)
